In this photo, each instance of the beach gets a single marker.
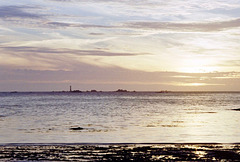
(120, 152)
(120, 80)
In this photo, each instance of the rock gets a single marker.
(236, 109)
(121, 90)
(76, 128)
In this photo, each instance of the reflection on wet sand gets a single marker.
(120, 152)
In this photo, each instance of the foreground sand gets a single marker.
(120, 152)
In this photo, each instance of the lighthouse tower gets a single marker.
(70, 88)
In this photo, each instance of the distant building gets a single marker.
(78, 91)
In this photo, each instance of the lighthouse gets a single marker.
(70, 88)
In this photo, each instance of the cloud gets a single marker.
(118, 18)
(162, 26)
(40, 58)
(110, 1)
(223, 11)
(17, 12)
(172, 26)
(203, 27)
(176, 6)
(96, 33)
(37, 50)
(94, 38)
(62, 0)
(63, 24)
(230, 63)
(87, 76)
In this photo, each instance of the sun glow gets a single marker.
(192, 84)
(198, 65)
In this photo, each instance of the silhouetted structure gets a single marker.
(121, 90)
(78, 91)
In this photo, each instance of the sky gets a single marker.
(142, 45)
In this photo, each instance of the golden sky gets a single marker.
(105, 45)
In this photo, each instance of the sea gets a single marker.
(119, 117)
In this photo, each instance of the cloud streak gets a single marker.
(39, 50)
(202, 27)
(74, 25)
(17, 12)
(22, 12)
(42, 58)
(161, 26)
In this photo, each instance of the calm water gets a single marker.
(119, 117)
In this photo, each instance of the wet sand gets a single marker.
(120, 152)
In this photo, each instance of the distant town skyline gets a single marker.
(151, 45)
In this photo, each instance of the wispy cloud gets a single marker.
(76, 25)
(225, 11)
(62, 0)
(17, 12)
(41, 58)
(229, 63)
(189, 26)
(96, 33)
(58, 19)
(37, 50)
(161, 26)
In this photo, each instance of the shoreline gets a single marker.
(120, 151)
(128, 143)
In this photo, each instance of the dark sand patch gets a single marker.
(120, 152)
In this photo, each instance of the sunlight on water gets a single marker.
(119, 117)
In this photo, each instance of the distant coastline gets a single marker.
(110, 91)
(119, 90)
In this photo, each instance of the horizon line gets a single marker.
(128, 91)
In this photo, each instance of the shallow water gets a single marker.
(111, 117)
